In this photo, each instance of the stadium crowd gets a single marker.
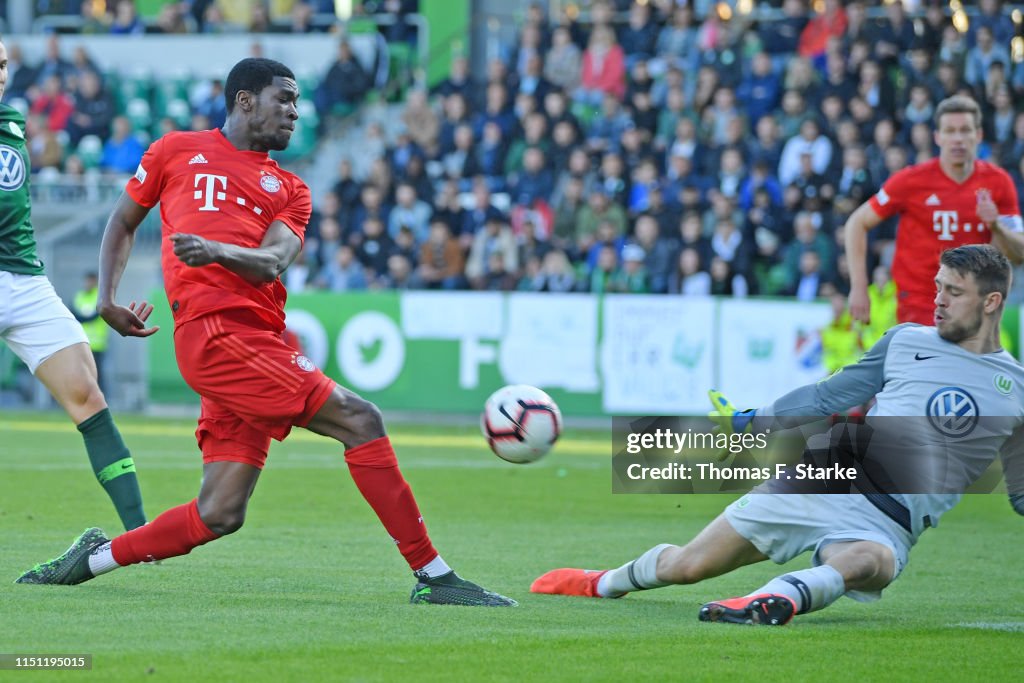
(661, 146)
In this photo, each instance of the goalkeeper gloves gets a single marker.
(725, 415)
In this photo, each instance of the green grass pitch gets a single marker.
(312, 589)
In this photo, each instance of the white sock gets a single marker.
(436, 567)
(102, 560)
(809, 589)
(638, 575)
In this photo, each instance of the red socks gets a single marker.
(374, 468)
(175, 532)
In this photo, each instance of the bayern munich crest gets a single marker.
(303, 363)
(270, 183)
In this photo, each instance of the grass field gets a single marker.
(312, 589)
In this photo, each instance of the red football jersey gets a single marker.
(937, 213)
(208, 187)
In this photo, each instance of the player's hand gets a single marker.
(987, 211)
(193, 250)
(860, 305)
(130, 320)
(725, 415)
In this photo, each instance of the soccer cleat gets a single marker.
(70, 568)
(766, 609)
(579, 582)
(451, 589)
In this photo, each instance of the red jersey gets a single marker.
(937, 213)
(208, 187)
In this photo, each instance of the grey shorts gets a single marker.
(783, 526)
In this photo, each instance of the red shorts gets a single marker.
(254, 386)
(916, 307)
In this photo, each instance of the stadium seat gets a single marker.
(90, 150)
(138, 85)
(138, 112)
(180, 112)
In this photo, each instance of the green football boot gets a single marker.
(70, 568)
(450, 589)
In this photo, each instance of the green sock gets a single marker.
(114, 467)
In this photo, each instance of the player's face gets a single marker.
(272, 121)
(958, 138)
(959, 306)
(3, 69)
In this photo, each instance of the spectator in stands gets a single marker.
(53, 64)
(808, 237)
(345, 83)
(604, 68)
(529, 47)
(372, 206)
(981, 56)
(44, 149)
(20, 76)
(991, 16)
(725, 282)
(399, 274)
(854, 180)
(171, 20)
(94, 20)
(344, 272)
(831, 22)
(534, 134)
(493, 257)
(687, 278)
(126, 20)
(811, 141)
(457, 81)
(535, 181)
(410, 212)
(563, 62)
(455, 113)
(53, 104)
(608, 125)
(93, 109)
(373, 247)
(760, 90)
(894, 36)
(123, 151)
(676, 46)
(461, 162)
(421, 121)
(441, 260)
(639, 37)
(553, 274)
(659, 253)
(209, 102)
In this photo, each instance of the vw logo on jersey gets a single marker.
(953, 412)
(12, 169)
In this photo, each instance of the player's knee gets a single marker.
(866, 569)
(222, 519)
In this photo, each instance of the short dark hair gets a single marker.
(990, 268)
(252, 74)
(958, 104)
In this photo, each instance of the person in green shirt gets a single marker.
(40, 329)
(96, 331)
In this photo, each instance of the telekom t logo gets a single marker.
(209, 190)
(944, 223)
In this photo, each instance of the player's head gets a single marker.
(3, 68)
(971, 288)
(260, 95)
(958, 129)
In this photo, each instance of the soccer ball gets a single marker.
(521, 423)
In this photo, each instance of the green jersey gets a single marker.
(17, 239)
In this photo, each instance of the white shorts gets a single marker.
(34, 322)
(783, 526)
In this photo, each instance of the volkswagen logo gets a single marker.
(12, 169)
(953, 412)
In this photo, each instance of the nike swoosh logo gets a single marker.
(918, 356)
(511, 419)
(126, 467)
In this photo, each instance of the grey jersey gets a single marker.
(963, 410)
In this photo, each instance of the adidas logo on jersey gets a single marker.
(197, 159)
(932, 201)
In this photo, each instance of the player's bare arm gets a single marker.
(259, 266)
(1004, 237)
(856, 239)
(118, 239)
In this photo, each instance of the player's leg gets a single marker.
(45, 335)
(219, 510)
(371, 460)
(717, 549)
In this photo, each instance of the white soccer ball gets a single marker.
(521, 423)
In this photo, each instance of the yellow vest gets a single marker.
(840, 344)
(96, 330)
(883, 312)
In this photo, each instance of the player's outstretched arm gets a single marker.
(259, 266)
(118, 238)
(855, 236)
